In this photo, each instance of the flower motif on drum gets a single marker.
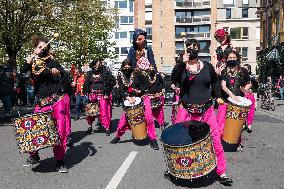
(40, 140)
(184, 161)
(28, 124)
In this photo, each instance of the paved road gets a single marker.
(93, 162)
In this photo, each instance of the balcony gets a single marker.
(196, 35)
(198, 4)
(194, 20)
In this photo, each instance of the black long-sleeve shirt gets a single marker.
(176, 75)
(199, 89)
(46, 83)
(125, 90)
(141, 82)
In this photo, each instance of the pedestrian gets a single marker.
(81, 97)
(49, 95)
(99, 85)
(280, 86)
(197, 82)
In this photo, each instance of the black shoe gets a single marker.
(154, 144)
(90, 130)
(77, 118)
(107, 132)
(225, 180)
(248, 130)
(60, 166)
(32, 160)
(115, 140)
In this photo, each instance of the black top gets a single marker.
(105, 82)
(176, 75)
(235, 82)
(47, 84)
(157, 86)
(141, 82)
(125, 85)
(199, 89)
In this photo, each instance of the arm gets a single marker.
(215, 82)
(151, 57)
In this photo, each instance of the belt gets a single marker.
(197, 108)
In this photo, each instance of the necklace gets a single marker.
(195, 72)
(152, 80)
(125, 82)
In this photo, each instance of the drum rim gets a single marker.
(133, 105)
(243, 106)
(187, 145)
(34, 113)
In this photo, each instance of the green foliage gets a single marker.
(84, 28)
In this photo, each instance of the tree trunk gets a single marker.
(12, 59)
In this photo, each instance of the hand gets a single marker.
(245, 91)
(73, 84)
(173, 86)
(55, 72)
(131, 100)
(136, 91)
(105, 97)
(220, 68)
(185, 58)
(220, 101)
(235, 98)
(157, 95)
(30, 58)
(177, 90)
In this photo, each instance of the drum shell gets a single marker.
(92, 109)
(193, 160)
(235, 119)
(136, 119)
(35, 131)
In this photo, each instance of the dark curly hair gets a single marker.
(126, 62)
(232, 51)
(95, 61)
(36, 39)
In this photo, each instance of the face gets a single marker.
(98, 65)
(39, 47)
(151, 68)
(126, 67)
(140, 39)
(220, 39)
(192, 46)
(232, 56)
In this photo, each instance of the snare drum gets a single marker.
(235, 119)
(189, 150)
(136, 118)
(35, 131)
(92, 109)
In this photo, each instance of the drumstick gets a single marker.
(55, 35)
(183, 34)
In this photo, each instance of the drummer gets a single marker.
(156, 91)
(135, 83)
(99, 85)
(198, 81)
(49, 96)
(235, 81)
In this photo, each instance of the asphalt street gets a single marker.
(96, 164)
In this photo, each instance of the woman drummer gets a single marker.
(198, 81)
(136, 84)
(99, 85)
(235, 81)
(49, 96)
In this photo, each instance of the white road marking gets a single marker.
(121, 171)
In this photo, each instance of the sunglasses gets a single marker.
(193, 44)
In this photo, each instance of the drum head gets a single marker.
(242, 101)
(185, 133)
(137, 101)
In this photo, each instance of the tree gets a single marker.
(82, 25)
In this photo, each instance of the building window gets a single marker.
(243, 52)
(228, 13)
(120, 35)
(239, 33)
(124, 50)
(246, 2)
(245, 13)
(131, 35)
(204, 46)
(116, 49)
(120, 4)
(131, 3)
(257, 33)
(126, 19)
(228, 2)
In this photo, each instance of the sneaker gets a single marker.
(115, 140)
(60, 166)
(225, 180)
(108, 132)
(32, 160)
(154, 144)
(90, 130)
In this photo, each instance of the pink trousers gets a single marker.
(209, 118)
(61, 114)
(123, 124)
(250, 117)
(104, 116)
(173, 117)
(158, 113)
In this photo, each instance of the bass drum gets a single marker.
(189, 150)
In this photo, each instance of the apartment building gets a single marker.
(240, 19)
